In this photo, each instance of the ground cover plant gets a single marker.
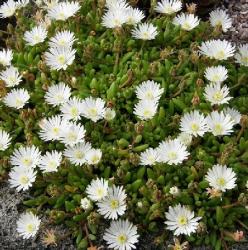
(129, 119)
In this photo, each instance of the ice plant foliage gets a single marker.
(110, 113)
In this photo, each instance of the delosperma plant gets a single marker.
(134, 121)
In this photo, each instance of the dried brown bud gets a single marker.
(195, 100)
(139, 127)
(199, 83)
(191, 8)
(49, 238)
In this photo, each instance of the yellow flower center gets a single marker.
(151, 158)
(74, 111)
(172, 155)
(194, 127)
(117, 22)
(72, 136)
(26, 162)
(147, 113)
(146, 35)
(94, 159)
(182, 220)
(168, 9)
(221, 181)
(92, 112)
(52, 165)
(37, 38)
(218, 96)
(62, 42)
(220, 55)
(244, 59)
(100, 192)
(30, 228)
(18, 102)
(186, 26)
(79, 155)
(56, 130)
(59, 98)
(24, 180)
(218, 128)
(61, 15)
(61, 59)
(114, 204)
(215, 78)
(122, 239)
(149, 95)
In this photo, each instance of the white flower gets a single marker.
(16, 98)
(221, 177)
(11, 76)
(21, 179)
(28, 225)
(49, 4)
(149, 157)
(25, 157)
(50, 161)
(134, 16)
(5, 140)
(185, 138)
(97, 189)
(172, 152)
(8, 9)
(145, 109)
(114, 204)
(220, 18)
(217, 49)
(186, 21)
(109, 114)
(76, 153)
(174, 191)
(149, 90)
(71, 110)
(72, 134)
(93, 108)
(181, 220)
(116, 5)
(86, 203)
(168, 6)
(93, 156)
(60, 57)
(37, 35)
(58, 94)
(63, 10)
(114, 18)
(22, 3)
(216, 74)
(6, 56)
(235, 115)
(241, 56)
(121, 235)
(52, 128)
(216, 94)
(145, 31)
(193, 123)
(219, 123)
(63, 38)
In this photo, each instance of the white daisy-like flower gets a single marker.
(16, 98)
(60, 57)
(109, 114)
(181, 220)
(216, 94)
(28, 225)
(221, 177)
(52, 128)
(11, 76)
(235, 114)
(172, 152)
(76, 153)
(220, 18)
(121, 235)
(26, 157)
(85, 203)
(185, 138)
(174, 191)
(21, 179)
(93, 156)
(186, 21)
(6, 56)
(145, 31)
(5, 140)
(58, 94)
(8, 9)
(35, 36)
(97, 189)
(114, 18)
(168, 7)
(193, 123)
(145, 109)
(49, 4)
(217, 49)
(72, 134)
(149, 90)
(71, 110)
(93, 108)
(63, 10)
(63, 38)
(134, 16)
(241, 56)
(50, 161)
(114, 204)
(113, 5)
(22, 3)
(216, 74)
(149, 157)
(219, 123)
